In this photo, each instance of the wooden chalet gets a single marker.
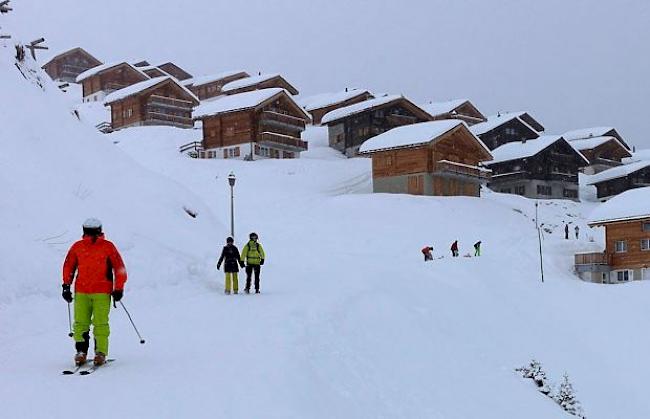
(66, 66)
(429, 158)
(159, 101)
(263, 123)
(261, 81)
(175, 71)
(602, 152)
(543, 168)
(321, 104)
(206, 87)
(619, 179)
(351, 126)
(507, 127)
(626, 219)
(585, 133)
(461, 109)
(100, 81)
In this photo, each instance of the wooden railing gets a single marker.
(285, 140)
(104, 127)
(193, 149)
(597, 258)
(168, 102)
(171, 119)
(292, 121)
(462, 169)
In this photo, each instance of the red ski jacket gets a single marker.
(97, 264)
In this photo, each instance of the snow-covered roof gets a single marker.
(200, 80)
(591, 143)
(638, 155)
(358, 107)
(152, 67)
(579, 134)
(519, 150)
(142, 86)
(411, 135)
(327, 99)
(247, 81)
(494, 121)
(101, 68)
(618, 172)
(71, 51)
(239, 101)
(440, 108)
(629, 205)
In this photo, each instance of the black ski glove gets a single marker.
(261, 261)
(218, 266)
(117, 295)
(66, 294)
(242, 264)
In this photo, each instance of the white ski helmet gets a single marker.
(92, 226)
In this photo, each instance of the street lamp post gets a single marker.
(231, 181)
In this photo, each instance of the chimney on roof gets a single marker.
(499, 114)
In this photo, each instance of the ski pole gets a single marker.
(69, 322)
(133, 324)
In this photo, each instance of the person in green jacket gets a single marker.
(253, 255)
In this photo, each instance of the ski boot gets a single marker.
(100, 359)
(247, 291)
(257, 291)
(226, 292)
(80, 358)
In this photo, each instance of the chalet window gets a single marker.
(622, 276)
(516, 168)
(620, 246)
(520, 190)
(544, 190)
(379, 113)
(645, 244)
(646, 226)
(510, 131)
(289, 155)
(129, 113)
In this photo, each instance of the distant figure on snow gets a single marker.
(454, 248)
(566, 231)
(426, 251)
(477, 248)
(231, 259)
(577, 229)
(253, 255)
(96, 267)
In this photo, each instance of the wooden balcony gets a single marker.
(592, 262)
(160, 118)
(398, 120)
(169, 103)
(461, 170)
(285, 121)
(281, 141)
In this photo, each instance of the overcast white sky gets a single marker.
(572, 64)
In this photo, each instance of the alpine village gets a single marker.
(447, 148)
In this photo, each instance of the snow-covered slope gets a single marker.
(351, 322)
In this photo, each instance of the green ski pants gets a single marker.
(92, 308)
(232, 278)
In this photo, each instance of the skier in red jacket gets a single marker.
(97, 270)
(454, 248)
(426, 251)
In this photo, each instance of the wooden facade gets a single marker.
(271, 128)
(551, 173)
(318, 113)
(615, 186)
(213, 87)
(101, 84)
(276, 81)
(153, 72)
(513, 130)
(626, 256)
(165, 103)
(66, 66)
(346, 134)
(175, 71)
(603, 156)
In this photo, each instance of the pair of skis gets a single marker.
(87, 368)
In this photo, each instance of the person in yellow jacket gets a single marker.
(253, 255)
